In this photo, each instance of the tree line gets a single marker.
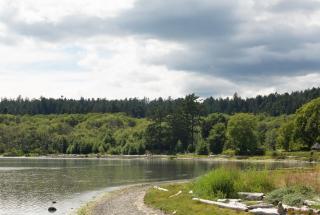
(183, 130)
(273, 104)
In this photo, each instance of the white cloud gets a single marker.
(152, 57)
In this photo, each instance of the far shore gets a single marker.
(222, 158)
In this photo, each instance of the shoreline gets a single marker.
(218, 158)
(119, 196)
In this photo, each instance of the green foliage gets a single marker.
(217, 138)
(225, 183)
(307, 123)
(210, 121)
(219, 183)
(271, 139)
(174, 126)
(285, 137)
(202, 148)
(255, 181)
(242, 133)
(293, 196)
(74, 134)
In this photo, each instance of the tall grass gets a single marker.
(225, 183)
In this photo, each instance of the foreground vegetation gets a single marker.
(185, 130)
(291, 187)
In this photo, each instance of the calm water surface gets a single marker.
(28, 186)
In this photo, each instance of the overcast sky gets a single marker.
(152, 48)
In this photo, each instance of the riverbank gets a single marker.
(299, 156)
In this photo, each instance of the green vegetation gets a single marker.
(292, 187)
(73, 133)
(294, 195)
(184, 130)
(273, 104)
(225, 183)
(182, 204)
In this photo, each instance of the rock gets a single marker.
(190, 192)
(54, 202)
(310, 202)
(281, 210)
(52, 209)
(251, 196)
(264, 211)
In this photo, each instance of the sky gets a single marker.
(156, 48)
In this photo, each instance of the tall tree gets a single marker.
(307, 123)
(242, 133)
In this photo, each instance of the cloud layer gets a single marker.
(157, 48)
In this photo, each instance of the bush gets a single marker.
(202, 148)
(293, 196)
(190, 148)
(225, 183)
(217, 184)
(229, 152)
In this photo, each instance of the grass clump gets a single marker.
(225, 183)
(219, 183)
(255, 181)
(293, 196)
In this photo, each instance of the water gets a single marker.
(28, 186)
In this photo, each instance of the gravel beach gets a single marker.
(128, 200)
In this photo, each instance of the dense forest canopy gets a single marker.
(274, 104)
(181, 130)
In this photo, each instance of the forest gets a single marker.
(169, 128)
(273, 104)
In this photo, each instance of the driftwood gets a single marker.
(160, 188)
(177, 194)
(231, 205)
(264, 211)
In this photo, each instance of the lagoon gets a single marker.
(30, 185)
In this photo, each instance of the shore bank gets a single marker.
(124, 200)
(287, 158)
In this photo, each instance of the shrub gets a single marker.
(294, 199)
(293, 196)
(218, 183)
(202, 148)
(225, 183)
(229, 152)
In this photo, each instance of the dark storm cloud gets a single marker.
(221, 38)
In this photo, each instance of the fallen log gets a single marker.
(177, 194)
(231, 205)
(160, 188)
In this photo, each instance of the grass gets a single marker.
(225, 183)
(292, 186)
(183, 203)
